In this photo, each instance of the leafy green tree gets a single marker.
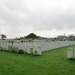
(71, 37)
(3, 36)
(31, 35)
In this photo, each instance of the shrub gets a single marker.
(14, 50)
(10, 48)
(1, 48)
(21, 51)
(36, 52)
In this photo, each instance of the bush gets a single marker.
(1, 48)
(14, 50)
(21, 51)
(10, 48)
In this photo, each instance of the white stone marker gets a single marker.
(34, 50)
(24, 47)
(74, 53)
(70, 53)
(6, 46)
(37, 50)
(28, 49)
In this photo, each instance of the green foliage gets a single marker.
(71, 37)
(1, 48)
(10, 48)
(31, 50)
(52, 62)
(30, 40)
(3, 36)
(11, 41)
(14, 50)
(21, 51)
(31, 35)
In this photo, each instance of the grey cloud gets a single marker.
(36, 15)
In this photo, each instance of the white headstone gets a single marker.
(74, 53)
(37, 50)
(70, 53)
(28, 49)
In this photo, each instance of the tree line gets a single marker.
(33, 36)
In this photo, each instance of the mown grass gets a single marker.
(50, 63)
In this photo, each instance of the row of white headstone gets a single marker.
(70, 53)
(38, 46)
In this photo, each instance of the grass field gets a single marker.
(50, 63)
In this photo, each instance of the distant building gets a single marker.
(62, 38)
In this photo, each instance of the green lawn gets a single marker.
(50, 63)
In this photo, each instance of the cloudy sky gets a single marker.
(48, 18)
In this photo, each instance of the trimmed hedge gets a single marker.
(21, 51)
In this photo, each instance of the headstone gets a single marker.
(25, 46)
(70, 53)
(28, 49)
(74, 53)
(37, 50)
(34, 50)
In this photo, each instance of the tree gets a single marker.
(71, 37)
(3, 36)
(31, 35)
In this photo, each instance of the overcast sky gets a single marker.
(48, 18)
